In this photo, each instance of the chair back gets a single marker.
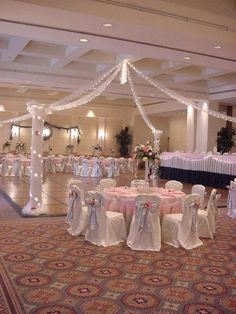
(175, 185)
(146, 206)
(111, 170)
(107, 183)
(201, 190)
(137, 183)
(145, 230)
(97, 168)
(96, 216)
(16, 170)
(74, 203)
(85, 168)
(188, 233)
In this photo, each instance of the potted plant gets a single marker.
(70, 148)
(225, 139)
(6, 145)
(124, 139)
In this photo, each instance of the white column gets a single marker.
(34, 206)
(190, 129)
(202, 128)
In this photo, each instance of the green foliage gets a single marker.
(124, 139)
(225, 140)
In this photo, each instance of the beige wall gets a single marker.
(177, 133)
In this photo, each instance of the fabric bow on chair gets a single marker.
(97, 168)
(145, 229)
(93, 207)
(76, 216)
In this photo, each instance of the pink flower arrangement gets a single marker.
(146, 151)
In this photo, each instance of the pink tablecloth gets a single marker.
(122, 199)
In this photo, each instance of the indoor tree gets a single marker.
(124, 139)
(225, 140)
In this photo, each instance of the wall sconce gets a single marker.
(101, 134)
(15, 130)
(74, 133)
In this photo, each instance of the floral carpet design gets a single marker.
(44, 270)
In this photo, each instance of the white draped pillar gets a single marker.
(202, 128)
(190, 129)
(34, 206)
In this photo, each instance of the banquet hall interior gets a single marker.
(117, 194)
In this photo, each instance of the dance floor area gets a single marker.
(46, 270)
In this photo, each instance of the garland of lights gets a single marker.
(79, 93)
(84, 100)
(101, 85)
(140, 105)
(49, 126)
(179, 98)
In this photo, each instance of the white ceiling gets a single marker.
(42, 58)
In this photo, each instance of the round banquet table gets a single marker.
(122, 199)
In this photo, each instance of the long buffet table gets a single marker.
(199, 168)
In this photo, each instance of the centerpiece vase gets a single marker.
(146, 170)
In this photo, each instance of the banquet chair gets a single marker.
(201, 190)
(110, 168)
(180, 229)
(207, 218)
(6, 169)
(231, 200)
(76, 215)
(136, 183)
(175, 185)
(17, 169)
(96, 170)
(145, 229)
(106, 183)
(85, 170)
(104, 228)
(78, 183)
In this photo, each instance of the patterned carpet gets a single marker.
(44, 270)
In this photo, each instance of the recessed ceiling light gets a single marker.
(217, 47)
(107, 24)
(83, 40)
(187, 58)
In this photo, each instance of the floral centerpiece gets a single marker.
(151, 156)
(97, 150)
(20, 147)
(146, 152)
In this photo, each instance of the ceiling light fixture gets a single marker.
(217, 47)
(107, 24)
(83, 40)
(187, 58)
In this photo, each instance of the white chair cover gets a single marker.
(16, 169)
(231, 200)
(207, 219)
(50, 166)
(79, 184)
(111, 168)
(138, 183)
(201, 190)
(117, 168)
(145, 229)
(180, 230)
(104, 228)
(76, 216)
(106, 183)
(175, 185)
(85, 171)
(4, 167)
(97, 168)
